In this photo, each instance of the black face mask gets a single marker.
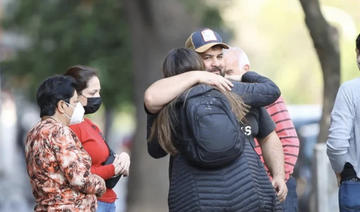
(93, 104)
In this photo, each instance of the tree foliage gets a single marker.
(63, 33)
(208, 14)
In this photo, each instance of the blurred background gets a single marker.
(307, 47)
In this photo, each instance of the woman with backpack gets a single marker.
(209, 134)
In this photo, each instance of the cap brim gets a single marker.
(207, 46)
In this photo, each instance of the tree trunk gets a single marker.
(155, 27)
(326, 42)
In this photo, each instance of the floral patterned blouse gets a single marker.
(59, 169)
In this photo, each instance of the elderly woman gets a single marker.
(57, 164)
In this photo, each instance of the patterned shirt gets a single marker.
(59, 169)
(287, 134)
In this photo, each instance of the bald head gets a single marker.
(236, 61)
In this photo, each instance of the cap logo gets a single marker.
(208, 35)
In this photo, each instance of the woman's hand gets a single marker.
(122, 164)
(215, 80)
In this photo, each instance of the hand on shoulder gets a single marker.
(214, 80)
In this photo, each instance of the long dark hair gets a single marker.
(178, 61)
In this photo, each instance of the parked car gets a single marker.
(306, 119)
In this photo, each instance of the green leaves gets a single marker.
(63, 33)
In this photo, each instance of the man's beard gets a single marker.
(216, 70)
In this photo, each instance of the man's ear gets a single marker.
(247, 67)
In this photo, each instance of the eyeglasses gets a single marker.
(71, 104)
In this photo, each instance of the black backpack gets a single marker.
(209, 134)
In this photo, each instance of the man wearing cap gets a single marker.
(209, 45)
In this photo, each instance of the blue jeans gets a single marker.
(349, 196)
(105, 207)
(291, 202)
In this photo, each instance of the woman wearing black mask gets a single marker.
(88, 87)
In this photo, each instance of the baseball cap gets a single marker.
(203, 39)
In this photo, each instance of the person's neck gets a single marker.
(58, 118)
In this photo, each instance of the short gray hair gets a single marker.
(242, 57)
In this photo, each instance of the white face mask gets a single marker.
(77, 115)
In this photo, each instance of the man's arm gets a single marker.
(342, 123)
(272, 152)
(286, 132)
(164, 90)
(274, 158)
